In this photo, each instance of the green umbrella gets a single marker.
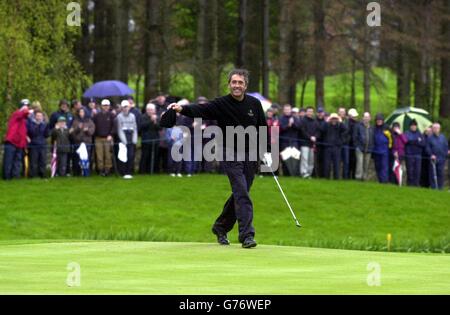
(405, 115)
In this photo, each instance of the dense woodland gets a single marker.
(285, 44)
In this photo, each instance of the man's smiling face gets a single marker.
(237, 86)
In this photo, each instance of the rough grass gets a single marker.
(345, 215)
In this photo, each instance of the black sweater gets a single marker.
(334, 135)
(228, 111)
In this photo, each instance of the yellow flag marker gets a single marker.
(389, 240)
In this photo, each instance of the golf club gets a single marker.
(269, 164)
(433, 163)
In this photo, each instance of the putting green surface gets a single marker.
(192, 268)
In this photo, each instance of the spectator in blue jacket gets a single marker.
(288, 133)
(382, 144)
(437, 149)
(363, 140)
(38, 132)
(425, 174)
(309, 133)
(288, 129)
(174, 138)
(413, 152)
(63, 111)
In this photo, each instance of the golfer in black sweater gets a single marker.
(235, 109)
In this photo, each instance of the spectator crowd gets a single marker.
(103, 137)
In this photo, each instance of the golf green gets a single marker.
(193, 268)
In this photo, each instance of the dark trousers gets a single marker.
(38, 161)
(239, 206)
(320, 161)
(191, 166)
(207, 167)
(61, 163)
(332, 158)
(345, 158)
(425, 174)
(161, 160)
(128, 167)
(437, 179)
(12, 161)
(414, 170)
(149, 156)
(382, 166)
(352, 164)
(173, 167)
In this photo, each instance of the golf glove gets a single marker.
(268, 159)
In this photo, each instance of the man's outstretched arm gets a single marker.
(208, 111)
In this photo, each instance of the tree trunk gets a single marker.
(366, 85)
(138, 90)
(241, 25)
(444, 110)
(422, 82)
(285, 29)
(206, 72)
(125, 40)
(422, 79)
(353, 84)
(115, 23)
(153, 47)
(83, 46)
(165, 78)
(370, 56)
(266, 47)
(403, 78)
(102, 39)
(302, 97)
(319, 51)
(253, 44)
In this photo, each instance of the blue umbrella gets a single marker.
(264, 101)
(105, 89)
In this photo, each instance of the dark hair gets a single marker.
(63, 102)
(242, 72)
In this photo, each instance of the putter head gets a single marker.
(298, 224)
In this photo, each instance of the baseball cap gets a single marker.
(353, 112)
(202, 100)
(379, 117)
(125, 103)
(106, 103)
(24, 102)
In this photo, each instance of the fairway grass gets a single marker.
(193, 268)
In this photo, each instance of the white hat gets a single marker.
(125, 103)
(106, 103)
(335, 116)
(183, 102)
(353, 112)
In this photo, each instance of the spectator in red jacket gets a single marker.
(16, 141)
